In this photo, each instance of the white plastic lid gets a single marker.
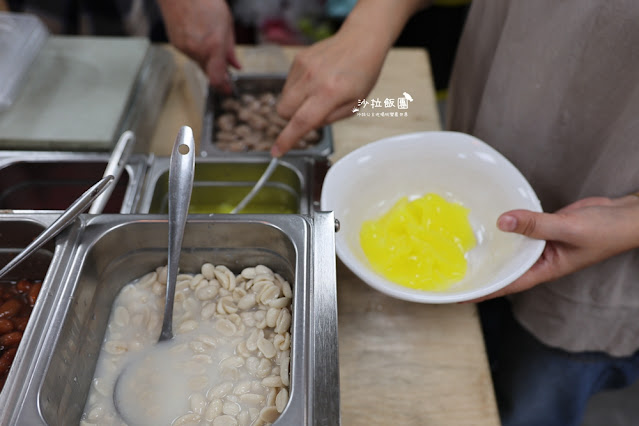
(21, 38)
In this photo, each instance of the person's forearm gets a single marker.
(329, 77)
(165, 5)
(381, 21)
(203, 30)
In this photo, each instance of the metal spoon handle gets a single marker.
(231, 79)
(181, 171)
(260, 183)
(77, 207)
(114, 167)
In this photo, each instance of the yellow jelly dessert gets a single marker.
(420, 244)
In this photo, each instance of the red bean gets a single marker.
(23, 286)
(7, 359)
(10, 340)
(20, 323)
(10, 308)
(6, 326)
(33, 293)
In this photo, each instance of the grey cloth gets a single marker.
(554, 86)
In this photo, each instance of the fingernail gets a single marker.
(507, 223)
(275, 151)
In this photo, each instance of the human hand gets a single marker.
(324, 84)
(327, 79)
(203, 30)
(579, 235)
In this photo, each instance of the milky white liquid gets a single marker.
(152, 387)
(225, 365)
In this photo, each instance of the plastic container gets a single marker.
(21, 38)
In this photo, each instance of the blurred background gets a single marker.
(284, 22)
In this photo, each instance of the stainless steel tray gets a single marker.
(17, 231)
(103, 253)
(37, 181)
(255, 84)
(225, 181)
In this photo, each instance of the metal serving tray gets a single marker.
(36, 181)
(17, 232)
(109, 251)
(255, 84)
(221, 183)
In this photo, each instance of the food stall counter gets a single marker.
(401, 363)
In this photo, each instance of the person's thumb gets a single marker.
(541, 226)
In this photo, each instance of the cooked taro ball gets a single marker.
(254, 106)
(273, 131)
(226, 122)
(276, 119)
(230, 104)
(247, 98)
(244, 114)
(252, 140)
(268, 98)
(257, 122)
(243, 130)
(265, 110)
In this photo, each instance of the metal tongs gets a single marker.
(68, 216)
(115, 166)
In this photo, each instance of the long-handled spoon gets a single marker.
(181, 173)
(258, 186)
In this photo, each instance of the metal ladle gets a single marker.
(181, 171)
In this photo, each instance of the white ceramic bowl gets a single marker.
(367, 182)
